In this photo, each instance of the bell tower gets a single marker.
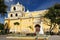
(16, 11)
(17, 7)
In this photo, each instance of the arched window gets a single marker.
(11, 15)
(14, 8)
(37, 28)
(16, 23)
(16, 14)
(22, 9)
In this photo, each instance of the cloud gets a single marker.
(11, 0)
(8, 0)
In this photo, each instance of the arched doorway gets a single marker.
(6, 28)
(37, 28)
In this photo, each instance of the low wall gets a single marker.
(28, 38)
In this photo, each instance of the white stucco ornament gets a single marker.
(41, 29)
(27, 11)
(18, 3)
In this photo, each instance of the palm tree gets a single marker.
(3, 8)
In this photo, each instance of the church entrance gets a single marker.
(37, 28)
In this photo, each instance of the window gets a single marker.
(16, 23)
(16, 14)
(14, 8)
(23, 9)
(11, 15)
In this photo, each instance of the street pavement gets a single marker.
(3, 37)
(54, 37)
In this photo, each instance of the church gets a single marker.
(23, 21)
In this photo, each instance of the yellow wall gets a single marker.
(26, 21)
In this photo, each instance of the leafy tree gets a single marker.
(57, 6)
(1, 26)
(54, 15)
(3, 7)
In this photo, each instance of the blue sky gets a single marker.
(31, 5)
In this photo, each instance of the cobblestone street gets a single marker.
(54, 37)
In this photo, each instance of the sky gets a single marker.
(31, 5)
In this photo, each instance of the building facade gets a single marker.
(20, 21)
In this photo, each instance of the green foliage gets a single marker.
(57, 6)
(1, 26)
(54, 15)
(58, 21)
(3, 8)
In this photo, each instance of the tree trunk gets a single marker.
(53, 26)
(50, 28)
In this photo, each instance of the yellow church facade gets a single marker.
(20, 21)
